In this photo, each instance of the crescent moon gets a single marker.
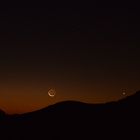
(52, 92)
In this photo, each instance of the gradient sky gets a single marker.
(90, 56)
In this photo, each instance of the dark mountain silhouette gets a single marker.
(2, 114)
(76, 120)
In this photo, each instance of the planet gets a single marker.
(52, 92)
(124, 92)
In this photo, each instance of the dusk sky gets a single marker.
(89, 56)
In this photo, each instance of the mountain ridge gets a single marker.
(135, 97)
(76, 120)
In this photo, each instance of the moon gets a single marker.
(52, 92)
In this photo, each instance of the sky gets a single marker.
(89, 55)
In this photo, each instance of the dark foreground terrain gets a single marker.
(76, 120)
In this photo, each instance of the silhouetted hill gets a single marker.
(2, 114)
(76, 120)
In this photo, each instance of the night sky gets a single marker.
(89, 55)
